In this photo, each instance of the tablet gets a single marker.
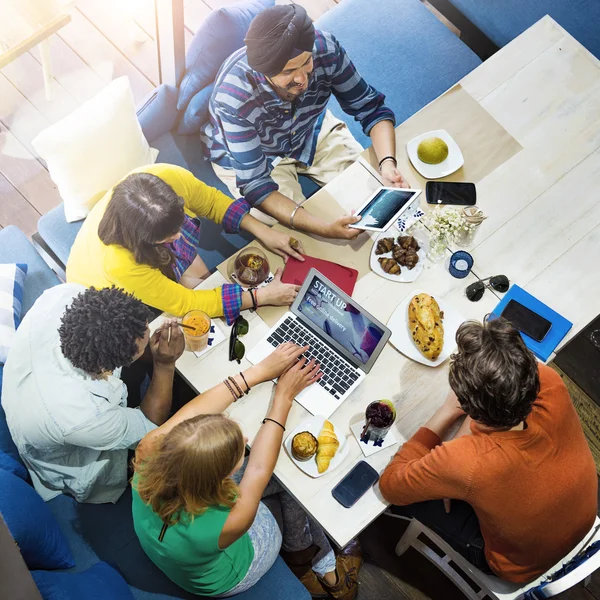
(383, 208)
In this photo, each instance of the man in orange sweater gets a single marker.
(519, 472)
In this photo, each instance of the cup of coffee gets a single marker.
(379, 418)
(196, 338)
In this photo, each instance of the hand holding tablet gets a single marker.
(383, 207)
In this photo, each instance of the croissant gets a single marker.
(328, 446)
(389, 265)
(408, 241)
(398, 253)
(411, 259)
(384, 245)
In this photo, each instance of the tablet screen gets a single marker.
(383, 207)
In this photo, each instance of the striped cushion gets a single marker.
(11, 300)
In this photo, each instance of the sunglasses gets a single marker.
(500, 283)
(236, 348)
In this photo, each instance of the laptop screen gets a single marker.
(341, 319)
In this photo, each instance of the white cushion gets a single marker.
(93, 148)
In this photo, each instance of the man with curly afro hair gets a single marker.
(65, 402)
(515, 490)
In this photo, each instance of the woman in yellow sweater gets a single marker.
(142, 237)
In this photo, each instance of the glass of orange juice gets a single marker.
(196, 339)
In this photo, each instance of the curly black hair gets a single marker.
(493, 374)
(99, 330)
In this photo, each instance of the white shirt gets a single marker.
(71, 431)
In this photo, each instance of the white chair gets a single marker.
(476, 585)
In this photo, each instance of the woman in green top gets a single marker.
(197, 507)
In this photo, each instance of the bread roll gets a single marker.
(425, 325)
(328, 446)
(304, 446)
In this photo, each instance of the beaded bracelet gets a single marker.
(235, 398)
(237, 387)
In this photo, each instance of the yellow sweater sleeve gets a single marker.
(149, 285)
(204, 200)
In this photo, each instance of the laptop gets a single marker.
(343, 337)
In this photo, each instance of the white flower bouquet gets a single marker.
(448, 222)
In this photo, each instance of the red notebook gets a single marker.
(296, 272)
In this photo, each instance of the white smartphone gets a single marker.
(383, 207)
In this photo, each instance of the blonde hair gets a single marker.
(189, 470)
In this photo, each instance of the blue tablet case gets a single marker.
(560, 325)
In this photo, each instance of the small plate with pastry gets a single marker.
(316, 446)
(399, 257)
(424, 328)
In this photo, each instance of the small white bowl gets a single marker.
(453, 162)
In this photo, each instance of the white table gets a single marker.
(528, 122)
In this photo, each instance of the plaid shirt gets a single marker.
(185, 250)
(250, 124)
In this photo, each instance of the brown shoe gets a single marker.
(301, 566)
(348, 564)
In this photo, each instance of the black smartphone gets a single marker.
(526, 321)
(450, 192)
(355, 484)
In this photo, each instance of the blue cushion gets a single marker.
(105, 532)
(99, 582)
(220, 35)
(12, 278)
(401, 49)
(196, 113)
(504, 21)
(158, 112)
(8, 463)
(30, 522)
(16, 248)
(57, 233)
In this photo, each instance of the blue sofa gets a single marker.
(400, 47)
(105, 532)
(504, 21)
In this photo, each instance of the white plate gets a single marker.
(402, 339)
(406, 275)
(453, 162)
(314, 426)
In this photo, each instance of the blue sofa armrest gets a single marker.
(158, 113)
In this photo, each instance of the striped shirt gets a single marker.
(250, 124)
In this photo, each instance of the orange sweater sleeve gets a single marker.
(425, 469)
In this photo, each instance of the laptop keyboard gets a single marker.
(338, 375)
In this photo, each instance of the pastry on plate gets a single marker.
(384, 245)
(398, 252)
(408, 241)
(389, 265)
(304, 446)
(411, 258)
(425, 322)
(328, 446)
